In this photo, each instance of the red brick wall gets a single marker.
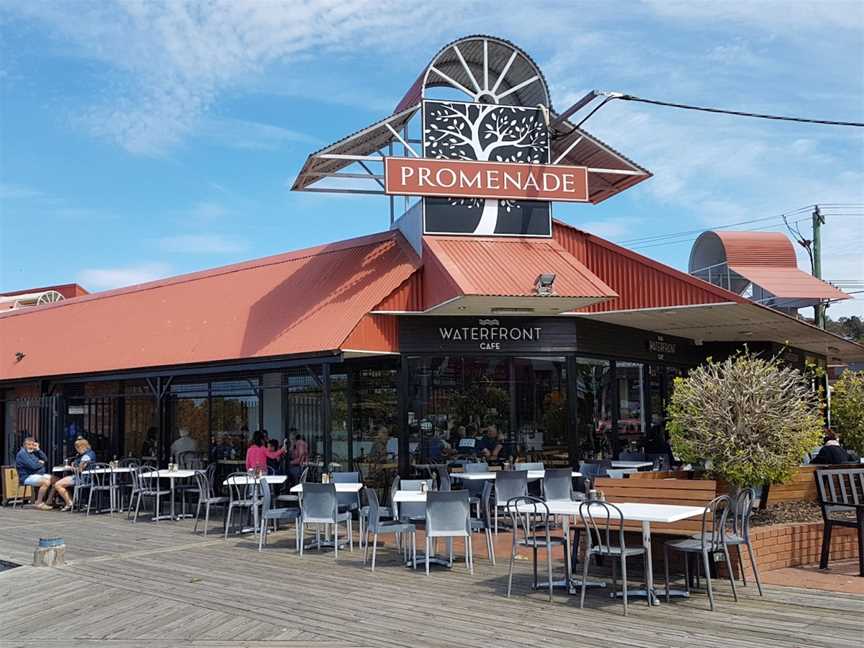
(792, 545)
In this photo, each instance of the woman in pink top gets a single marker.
(299, 458)
(256, 454)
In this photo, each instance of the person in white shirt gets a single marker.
(183, 443)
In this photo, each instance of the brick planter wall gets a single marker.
(792, 545)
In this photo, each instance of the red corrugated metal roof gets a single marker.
(789, 283)
(639, 281)
(499, 266)
(302, 302)
(772, 249)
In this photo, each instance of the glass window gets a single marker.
(234, 416)
(594, 408)
(189, 425)
(303, 411)
(375, 421)
(631, 406)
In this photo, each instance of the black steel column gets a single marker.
(326, 419)
(349, 415)
(573, 440)
(404, 394)
(616, 410)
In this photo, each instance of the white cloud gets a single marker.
(94, 279)
(202, 244)
(768, 14)
(174, 59)
(243, 134)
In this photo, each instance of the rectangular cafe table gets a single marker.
(172, 475)
(632, 512)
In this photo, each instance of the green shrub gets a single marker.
(847, 410)
(751, 419)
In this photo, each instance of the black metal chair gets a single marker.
(604, 533)
(207, 498)
(529, 519)
(712, 540)
(738, 532)
(148, 480)
(241, 497)
(99, 475)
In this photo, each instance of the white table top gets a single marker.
(403, 496)
(471, 476)
(245, 479)
(164, 473)
(341, 487)
(124, 469)
(632, 464)
(635, 512)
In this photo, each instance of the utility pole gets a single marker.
(818, 222)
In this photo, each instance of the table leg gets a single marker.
(173, 517)
(649, 563)
(649, 570)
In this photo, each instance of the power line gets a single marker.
(673, 235)
(737, 113)
(686, 236)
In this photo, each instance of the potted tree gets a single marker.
(847, 410)
(750, 419)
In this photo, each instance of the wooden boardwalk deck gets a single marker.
(157, 586)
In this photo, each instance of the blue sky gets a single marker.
(140, 140)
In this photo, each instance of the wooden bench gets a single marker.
(841, 498)
(684, 492)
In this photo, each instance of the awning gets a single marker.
(735, 322)
(789, 283)
(492, 275)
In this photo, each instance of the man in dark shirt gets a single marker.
(489, 446)
(831, 452)
(30, 462)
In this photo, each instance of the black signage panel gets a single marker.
(487, 334)
(485, 132)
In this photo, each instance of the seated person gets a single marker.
(435, 448)
(831, 452)
(489, 446)
(183, 443)
(274, 457)
(85, 456)
(30, 462)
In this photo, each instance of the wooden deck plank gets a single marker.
(160, 585)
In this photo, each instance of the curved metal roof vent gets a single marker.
(32, 299)
(760, 266)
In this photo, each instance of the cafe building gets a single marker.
(476, 307)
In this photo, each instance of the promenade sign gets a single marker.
(501, 180)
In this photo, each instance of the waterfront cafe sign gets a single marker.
(490, 334)
(485, 170)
